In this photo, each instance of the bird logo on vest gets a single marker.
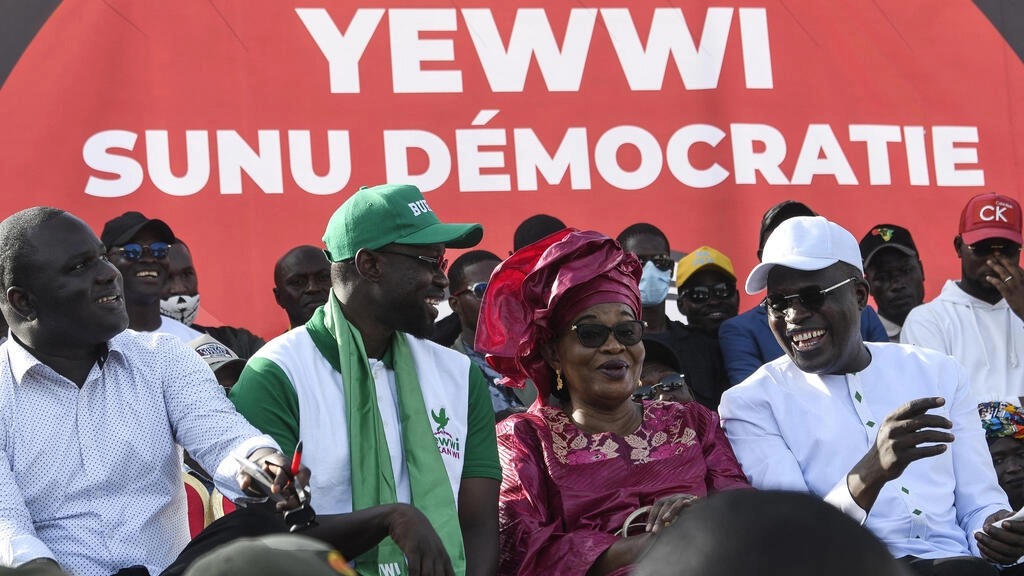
(441, 420)
(447, 444)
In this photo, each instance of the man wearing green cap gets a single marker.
(388, 418)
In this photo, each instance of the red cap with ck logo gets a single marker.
(990, 216)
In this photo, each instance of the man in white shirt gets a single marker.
(978, 319)
(885, 432)
(91, 414)
(139, 248)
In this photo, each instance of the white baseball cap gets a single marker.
(804, 243)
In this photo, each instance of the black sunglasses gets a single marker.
(699, 294)
(811, 298)
(133, 251)
(985, 250)
(627, 333)
(662, 262)
(438, 264)
(476, 289)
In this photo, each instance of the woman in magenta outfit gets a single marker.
(564, 313)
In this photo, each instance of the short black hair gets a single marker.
(279, 265)
(457, 271)
(641, 229)
(534, 228)
(16, 250)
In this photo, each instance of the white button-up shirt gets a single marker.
(91, 476)
(797, 431)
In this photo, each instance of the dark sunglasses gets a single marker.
(134, 250)
(699, 294)
(627, 333)
(438, 264)
(811, 298)
(986, 250)
(477, 289)
(661, 262)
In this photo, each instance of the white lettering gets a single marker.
(877, 137)
(197, 154)
(757, 55)
(607, 161)
(948, 155)
(821, 154)
(644, 65)
(96, 154)
(234, 157)
(625, 157)
(746, 162)
(677, 154)
(339, 166)
(992, 213)
(506, 68)
(917, 156)
(397, 145)
(342, 51)
(472, 160)
(409, 51)
(571, 155)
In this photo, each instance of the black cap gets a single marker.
(123, 228)
(886, 236)
(777, 215)
(657, 351)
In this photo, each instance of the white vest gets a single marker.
(444, 381)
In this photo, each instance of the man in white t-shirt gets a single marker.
(978, 319)
(885, 432)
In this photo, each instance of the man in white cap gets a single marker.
(885, 432)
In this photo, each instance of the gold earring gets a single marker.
(558, 380)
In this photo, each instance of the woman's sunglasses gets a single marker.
(627, 333)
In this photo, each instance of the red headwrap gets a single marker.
(536, 292)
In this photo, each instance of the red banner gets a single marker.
(245, 124)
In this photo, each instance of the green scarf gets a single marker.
(373, 481)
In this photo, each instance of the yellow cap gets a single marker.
(699, 258)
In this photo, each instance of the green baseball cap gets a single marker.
(391, 214)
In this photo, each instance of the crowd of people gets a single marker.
(557, 422)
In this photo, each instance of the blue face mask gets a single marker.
(654, 285)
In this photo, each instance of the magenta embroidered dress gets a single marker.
(564, 492)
